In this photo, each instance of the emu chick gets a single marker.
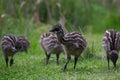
(74, 43)
(11, 45)
(22, 43)
(111, 45)
(50, 44)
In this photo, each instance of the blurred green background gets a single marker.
(93, 16)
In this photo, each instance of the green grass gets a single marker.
(32, 66)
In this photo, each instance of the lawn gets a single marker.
(32, 66)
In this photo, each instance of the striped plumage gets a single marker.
(50, 44)
(22, 43)
(73, 43)
(9, 47)
(111, 44)
(8, 44)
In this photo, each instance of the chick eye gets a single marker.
(57, 29)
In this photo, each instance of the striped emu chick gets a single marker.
(111, 44)
(8, 47)
(50, 44)
(73, 43)
(11, 45)
(22, 43)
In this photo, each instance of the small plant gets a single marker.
(89, 52)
